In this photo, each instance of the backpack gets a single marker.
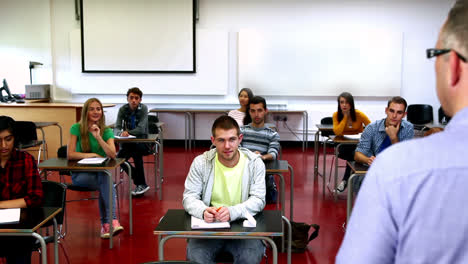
(300, 236)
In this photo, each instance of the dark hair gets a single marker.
(247, 118)
(8, 123)
(135, 90)
(258, 100)
(350, 99)
(225, 122)
(397, 100)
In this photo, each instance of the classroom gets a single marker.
(299, 55)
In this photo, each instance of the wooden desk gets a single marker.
(176, 224)
(31, 220)
(62, 164)
(190, 120)
(151, 139)
(278, 167)
(64, 114)
(358, 169)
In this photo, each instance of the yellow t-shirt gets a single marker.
(227, 185)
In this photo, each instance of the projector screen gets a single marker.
(138, 36)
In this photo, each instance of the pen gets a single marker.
(219, 208)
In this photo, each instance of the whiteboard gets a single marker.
(211, 77)
(320, 63)
(138, 35)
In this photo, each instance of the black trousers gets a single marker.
(136, 151)
(347, 153)
(17, 250)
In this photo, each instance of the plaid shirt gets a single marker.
(20, 179)
(374, 135)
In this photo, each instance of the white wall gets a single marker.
(419, 20)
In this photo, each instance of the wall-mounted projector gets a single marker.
(37, 91)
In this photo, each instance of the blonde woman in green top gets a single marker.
(91, 138)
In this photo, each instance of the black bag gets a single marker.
(152, 124)
(300, 236)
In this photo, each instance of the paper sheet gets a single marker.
(8, 216)
(92, 161)
(250, 222)
(198, 223)
(129, 136)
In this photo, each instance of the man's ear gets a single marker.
(241, 136)
(455, 69)
(212, 140)
(404, 115)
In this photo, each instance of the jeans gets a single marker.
(97, 181)
(347, 153)
(135, 151)
(243, 250)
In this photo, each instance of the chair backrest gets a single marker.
(443, 118)
(26, 131)
(327, 121)
(153, 124)
(420, 114)
(62, 152)
(55, 196)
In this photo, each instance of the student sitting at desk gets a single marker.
(241, 115)
(91, 138)
(262, 140)
(20, 187)
(132, 119)
(347, 121)
(222, 185)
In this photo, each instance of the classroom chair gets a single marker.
(27, 138)
(420, 115)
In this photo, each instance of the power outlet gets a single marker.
(280, 118)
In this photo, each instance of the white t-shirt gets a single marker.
(238, 116)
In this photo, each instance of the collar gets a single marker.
(460, 118)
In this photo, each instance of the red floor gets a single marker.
(82, 243)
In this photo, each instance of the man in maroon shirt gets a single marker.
(20, 187)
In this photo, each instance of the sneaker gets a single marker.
(342, 186)
(140, 189)
(105, 231)
(117, 227)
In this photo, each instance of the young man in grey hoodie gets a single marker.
(223, 184)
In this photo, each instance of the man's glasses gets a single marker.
(437, 52)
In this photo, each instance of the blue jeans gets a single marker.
(97, 181)
(243, 250)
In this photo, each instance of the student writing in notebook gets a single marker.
(222, 185)
(132, 119)
(91, 138)
(20, 187)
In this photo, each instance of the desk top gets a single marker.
(45, 124)
(64, 164)
(177, 222)
(50, 105)
(324, 127)
(344, 140)
(31, 219)
(276, 166)
(150, 139)
(357, 167)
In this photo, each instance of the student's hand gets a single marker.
(124, 134)
(370, 160)
(95, 130)
(346, 113)
(392, 131)
(209, 214)
(222, 214)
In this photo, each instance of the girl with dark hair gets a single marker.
(91, 138)
(241, 115)
(347, 121)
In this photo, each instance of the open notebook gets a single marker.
(10, 216)
(89, 161)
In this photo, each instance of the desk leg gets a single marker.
(324, 174)
(111, 207)
(186, 119)
(306, 117)
(43, 247)
(291, 192)
(337, 151)
(130, 202)
(349, 202)
(267, 239)
(289, 237)
(61, 136)
(159, 176)
(56, 256)
(282, 192)
(316, 154)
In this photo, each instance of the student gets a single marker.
(347, 121)
(385, 132)
(20, 187)
(132, 119)
(91, 138)
(223, 184)
(262, 140)
(245, 95)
